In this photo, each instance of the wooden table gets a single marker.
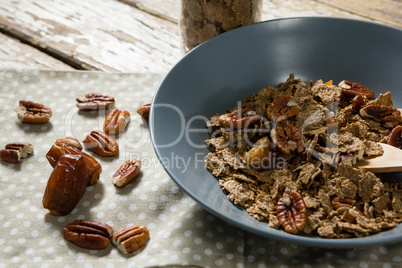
(133, 35)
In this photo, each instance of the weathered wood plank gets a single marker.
(105, 34)
(385, 11)
(14, 54)
(141, 35)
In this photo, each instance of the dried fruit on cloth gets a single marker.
(66, 185)
(287, 155)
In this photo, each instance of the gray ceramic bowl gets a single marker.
(219, 73)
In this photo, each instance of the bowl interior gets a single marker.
(219, 73)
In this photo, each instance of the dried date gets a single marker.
(66, 185)
(93, 170)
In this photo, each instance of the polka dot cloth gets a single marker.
(181, 232)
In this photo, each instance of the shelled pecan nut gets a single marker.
(342, 202)
(351, 214)
(287, 138)
(66, 185)
(95, 101)
(88, 234)
(9, 155)
(144, 110)
(93, 170)
(24, 148)
(116, 121)
(239, 118)
(32, 112)
(130, 239)
(388, 115)
(127, 172)
(292, 213)
(282, 108)
(101, 143)
(70, 142)
(395, 137)
(352, 89)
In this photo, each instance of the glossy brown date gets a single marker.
(66, 185)
(94, 169)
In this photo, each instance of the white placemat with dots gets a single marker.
(181, 232)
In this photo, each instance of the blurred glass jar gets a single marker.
(201, 20)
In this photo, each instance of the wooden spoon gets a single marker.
(390, 161)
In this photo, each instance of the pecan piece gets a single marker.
(116, 121)
(352, 89)
(66, 185)
(144, 110)
(94, 101)
(239, 118)
(93, 170)
(292, 213)
(127, 172)
(10, 156)
(88, 234)
(24, 148)
(13, 152)
(101, 143)
(282, 109)
(130, 239)
(70, 142)
(32, 112)
(395, 137)
(351, 214)
(342, 202)
(287, 138)
(388, 115)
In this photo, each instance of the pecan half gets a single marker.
(388, 115)
(395, 137)
(144, 110)
(287, 138)
(352, 89)
(94, 101)
(24, 148)
(130, 239)
(88, 234)
(127, 172)
(282, 108)
(32, 112)
(101, 143)
(116, 121)
(292, 213)
(342, 202)
(239, 118)
(70, 142)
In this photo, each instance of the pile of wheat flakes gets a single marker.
(323, 141)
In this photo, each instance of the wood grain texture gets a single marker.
(384, 11)
(14, 54)
(105, 34)
(139, 35)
